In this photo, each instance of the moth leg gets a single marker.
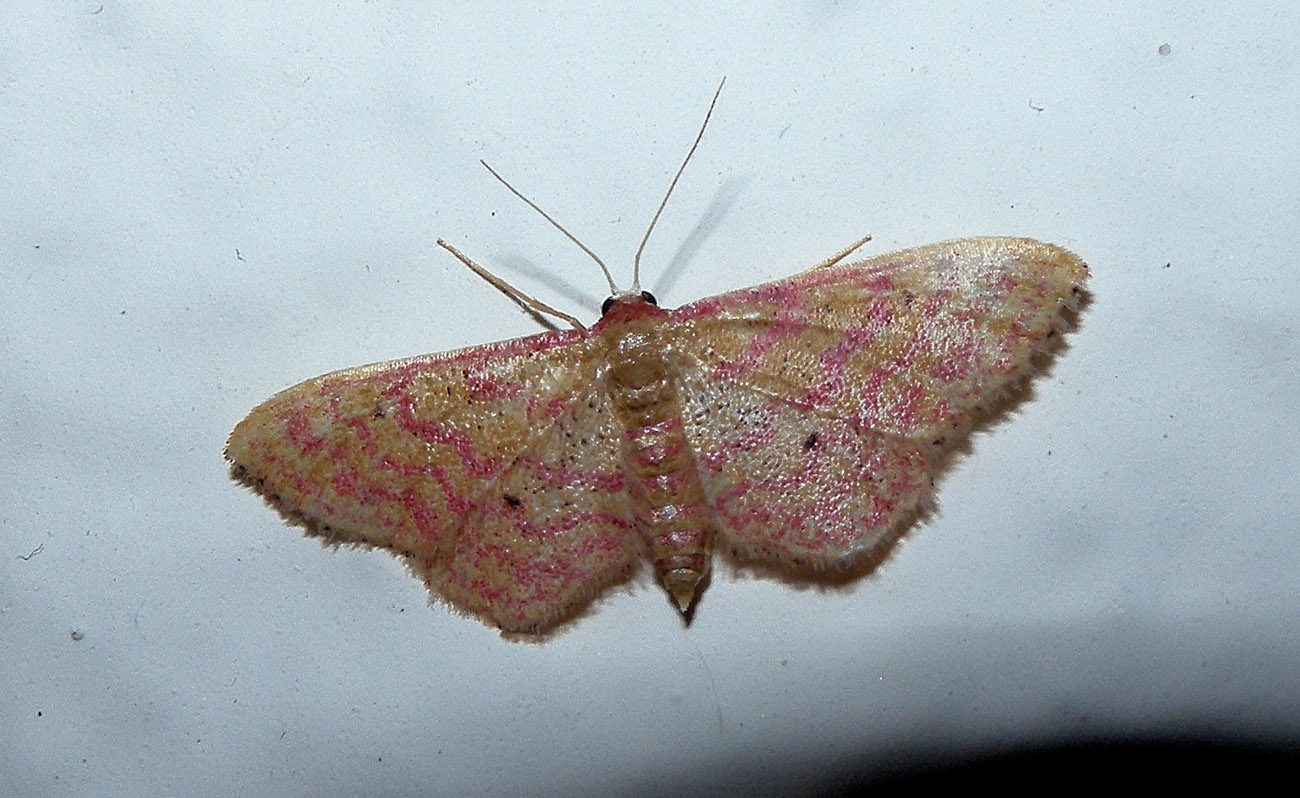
(842, 254)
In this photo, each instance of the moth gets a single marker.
(795, 426)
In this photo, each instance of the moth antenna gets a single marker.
(509, 290)
(613, 289)
(842, 254)
(636, 261)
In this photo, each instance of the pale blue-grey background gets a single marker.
(203, 203)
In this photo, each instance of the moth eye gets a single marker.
(650, 298)
(606, 305)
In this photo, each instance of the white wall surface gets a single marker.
(204, 203)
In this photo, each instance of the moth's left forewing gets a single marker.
(493, 471)
(395, 454)
(908, 343)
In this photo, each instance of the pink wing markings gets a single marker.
(550, 533)
(793, 488)
(395, 454)
(910, 343)
(494, 472)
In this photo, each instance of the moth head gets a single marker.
(645, 296)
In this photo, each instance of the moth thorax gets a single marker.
(639, 381)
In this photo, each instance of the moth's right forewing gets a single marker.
(908, 343)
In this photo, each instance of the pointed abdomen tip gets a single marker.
(681, 584)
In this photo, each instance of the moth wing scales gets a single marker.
(911, 343)
(818, 402)
(420, 456)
